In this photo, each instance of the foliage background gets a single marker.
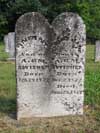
(89, 10)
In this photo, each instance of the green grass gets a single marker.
(3, 54)
(7, 83)
(88, 123)
(92, 78)
(7, 87)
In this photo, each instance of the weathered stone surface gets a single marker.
(70, 58)
(50, 65)
(6, 43)
(97, 51)
(11, 44)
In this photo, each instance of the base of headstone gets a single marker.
(97, 60)
(47, 116)
(11, 59)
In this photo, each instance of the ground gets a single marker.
(88, 123)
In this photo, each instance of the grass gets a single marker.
(88, 123)
(7, 83)
(3, 55)
(92, 78)
(7, 87)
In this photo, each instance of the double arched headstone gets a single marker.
(50, 65)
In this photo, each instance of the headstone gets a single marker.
(11, 45)
(6, 43)
(97, 51)
(50, 65)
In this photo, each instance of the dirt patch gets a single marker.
(88, 123)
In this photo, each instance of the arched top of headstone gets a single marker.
(68, 19)
(69, 24)
(33, 23)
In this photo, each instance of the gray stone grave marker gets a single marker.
(6, 43)
(97, 51)
(11, 45)
(50, 65)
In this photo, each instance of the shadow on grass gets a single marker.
(89, 60)
(8, 106)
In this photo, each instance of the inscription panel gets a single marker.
(32, 64)
(70, 57)
(50, 65)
